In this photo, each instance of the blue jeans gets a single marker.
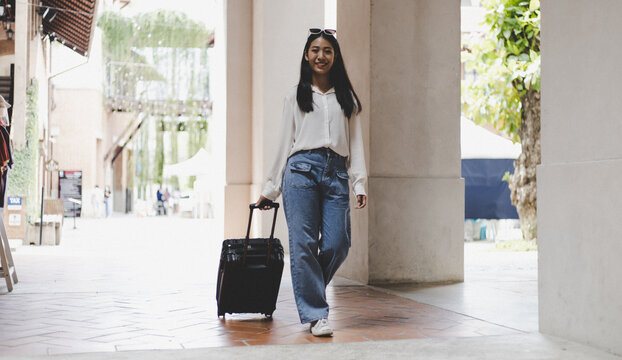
(316, 200)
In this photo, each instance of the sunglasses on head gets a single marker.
(316, 31)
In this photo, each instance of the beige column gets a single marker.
(353, 34)
(579, 193)
(22, 76)
(231, 127)
(259, 48)
(411, 95)
(280, 30)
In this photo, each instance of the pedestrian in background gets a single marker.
(319, 143)
(107, 194)
(161, 209)
(97, 200)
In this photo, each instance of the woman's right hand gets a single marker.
(261, 200)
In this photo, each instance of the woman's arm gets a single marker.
(285, 140)
(358, 169)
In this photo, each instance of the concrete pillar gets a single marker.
(579, 193)
(416, 194)
(259, 46)
(280, 30)
(22, 76)
(353, 34)
(231, 128)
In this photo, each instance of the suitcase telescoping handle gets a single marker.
(252, 207)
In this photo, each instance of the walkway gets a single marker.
(128, 283)
(500, 287)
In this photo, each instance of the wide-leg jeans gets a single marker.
(317, 208)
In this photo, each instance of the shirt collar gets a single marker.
(315, 89)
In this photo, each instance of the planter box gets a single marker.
(52, 232)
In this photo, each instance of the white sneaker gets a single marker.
(321, 328)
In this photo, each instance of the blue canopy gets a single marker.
(486, 195)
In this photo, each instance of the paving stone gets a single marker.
(105, 289)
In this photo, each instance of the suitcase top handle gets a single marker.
(264, 203)
(252, 207)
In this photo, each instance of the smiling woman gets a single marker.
(322, 65)
(320, 142)
(320, 58)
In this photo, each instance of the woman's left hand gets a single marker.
(361, 201)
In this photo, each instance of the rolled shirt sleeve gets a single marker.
(285, 140)
(357, 167)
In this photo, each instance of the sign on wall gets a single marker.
(14, 203)
(70, 187)
(15, 216)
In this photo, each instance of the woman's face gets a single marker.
(320, 56)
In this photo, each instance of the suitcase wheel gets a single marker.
(269, 316)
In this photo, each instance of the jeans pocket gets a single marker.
(342, 185)
(300, 175)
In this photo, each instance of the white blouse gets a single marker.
(325, 126)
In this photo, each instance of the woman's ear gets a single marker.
(306, 56)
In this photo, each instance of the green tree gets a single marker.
(506, 91)
(158, 164)
(142, 160)
(157, 66)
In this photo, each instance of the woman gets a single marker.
(320, 142)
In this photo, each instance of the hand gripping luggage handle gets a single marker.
(250, 217)
(248, 229)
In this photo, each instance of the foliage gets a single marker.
(131, 179)
(516, 245)
(507, 63)
(174, 181)
(505, 92)
(163, 28)
(142, 160)
(22, 179)
(158, 164)
(157, 65)
(174, 144)
(145, 55)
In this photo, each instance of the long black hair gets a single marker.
(338, 78)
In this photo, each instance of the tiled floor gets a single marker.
(130, 284)
(88, 322)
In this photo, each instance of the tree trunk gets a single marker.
(523, 181)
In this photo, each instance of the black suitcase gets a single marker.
(249, 274)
